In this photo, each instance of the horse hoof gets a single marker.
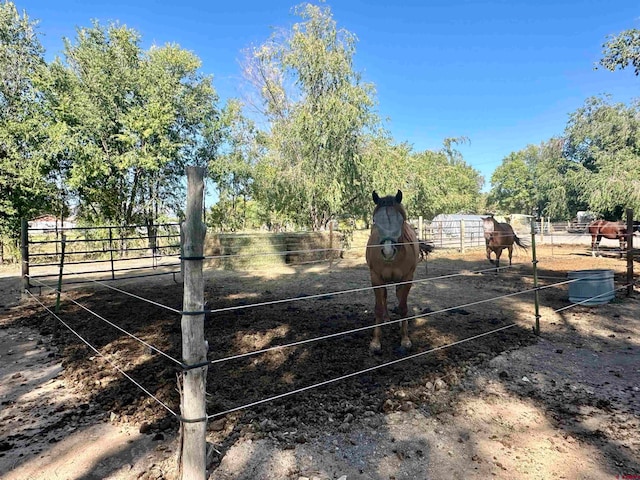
(403, 351)
(406, 344)
(375, 348)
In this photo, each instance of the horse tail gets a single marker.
(520, 242)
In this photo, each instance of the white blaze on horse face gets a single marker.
(389, 222)
(488, 225)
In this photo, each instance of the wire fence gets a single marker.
(122, 252)
(117, 251)
(305, 341)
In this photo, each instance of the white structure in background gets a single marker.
(48, 223)
(450, 225)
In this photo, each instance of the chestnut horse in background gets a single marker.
(499, 236)
(611, 230)
(392, 255)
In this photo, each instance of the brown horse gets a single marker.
(392, 256)
(497, 237)
(611, 230)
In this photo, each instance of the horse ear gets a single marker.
(399, 196)
(376, 198)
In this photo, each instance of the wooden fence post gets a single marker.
(462, 235)
(534, 262)
(194, 346)
(630, 252)
(113, 272)
(24, 253)
(60, 275)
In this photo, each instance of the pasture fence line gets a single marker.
(192, 383)
(144, 244)
(306, 341)
(359, 372)
(98, 352)
(58, 292)
(317, 339)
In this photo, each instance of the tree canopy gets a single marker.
(26, 184)
(133, 120)
(622, 50)
(107, 128)
(318, 112)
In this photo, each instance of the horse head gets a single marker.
(488, 225)
(389, 217)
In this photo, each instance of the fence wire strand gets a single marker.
(124, 292)
(592, 298)
(352, 290)
(382, 324)
(354, 374)
(146, 344)
(160, 402)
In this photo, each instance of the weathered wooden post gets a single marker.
(60, 273)
(630, 252)
(194, 346)
(24, 253)
(113, 272)
(420, 228)
(330, 244)
(534, 262)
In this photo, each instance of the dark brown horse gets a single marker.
(392, 256)
(611, 230)
(497, 237)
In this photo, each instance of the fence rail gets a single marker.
(149, 245)
(193, 416)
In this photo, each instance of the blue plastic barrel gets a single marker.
(592, 287)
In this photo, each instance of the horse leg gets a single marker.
(498, 254)
(623, 245)
(594, 245)
(402, 292)
(510, 248)
(381, 315)
(489, 254)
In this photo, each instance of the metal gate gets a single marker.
(105, 253)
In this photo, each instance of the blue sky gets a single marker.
(505, 74)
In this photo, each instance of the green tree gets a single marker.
(621, 50)
(26, 185)
(442, 182)
(234, 168)
(603, 140)
(318, 111)
(512, 183)
(432, 182)
(538, 177)
(133, 120)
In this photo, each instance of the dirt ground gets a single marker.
(505, 405)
